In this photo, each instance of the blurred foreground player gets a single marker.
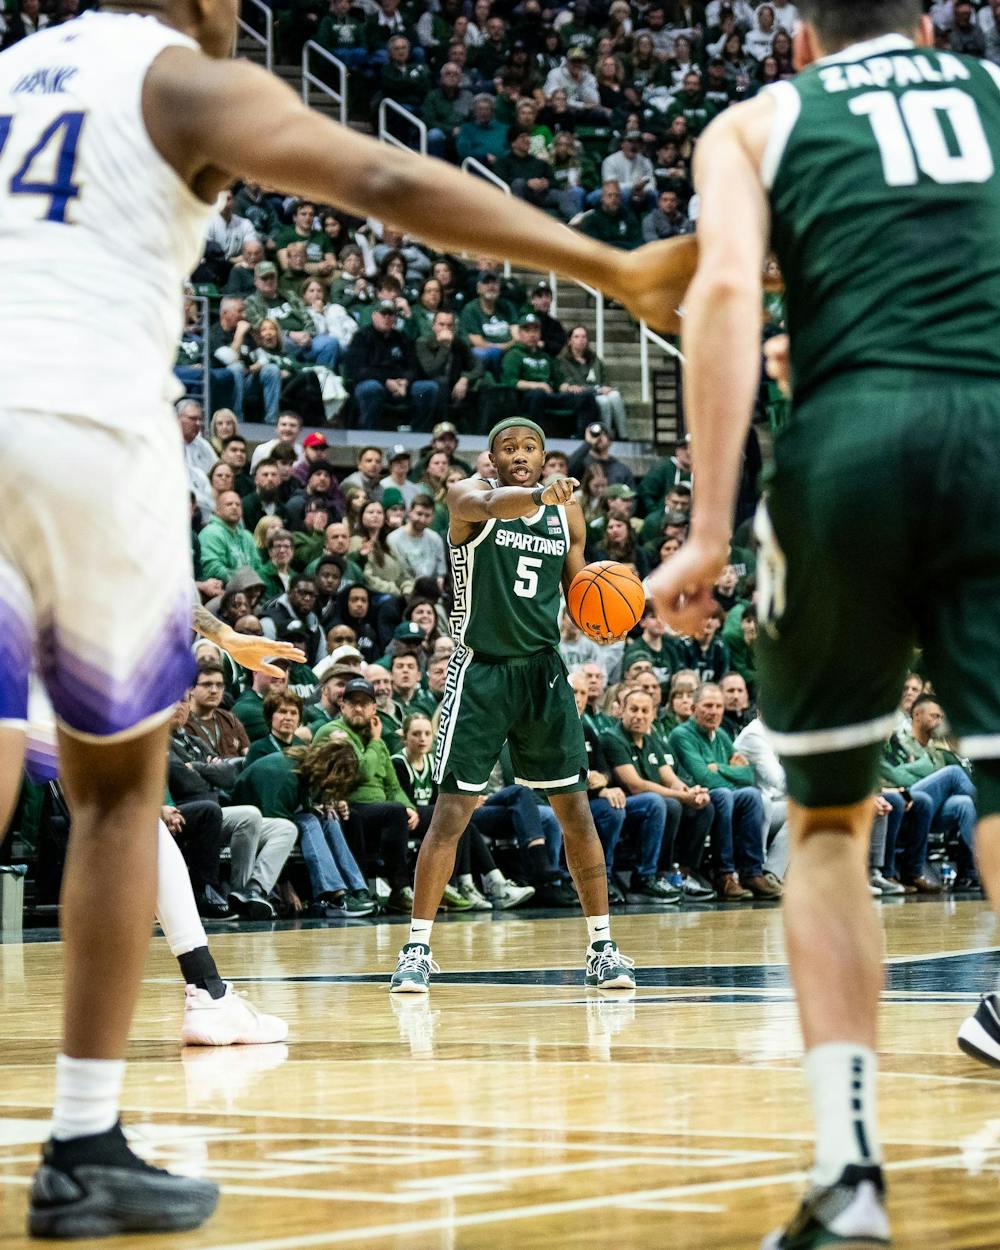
(141, 107)
(875, 176)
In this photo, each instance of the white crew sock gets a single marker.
(494, 879)
(598, 929)
(175, 905)
(420, 931)
(88, 1093)
(466, 880)
(841, 1077)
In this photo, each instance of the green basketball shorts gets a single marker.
(525, 702)
(879, 532)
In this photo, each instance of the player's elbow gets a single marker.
(392, 183)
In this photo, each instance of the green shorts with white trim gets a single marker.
(880, 532)
(526, 702)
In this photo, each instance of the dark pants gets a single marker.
(577, 411)
(738, 837)
(378, 832)
(201, 842)
(513, 809)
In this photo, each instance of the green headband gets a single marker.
(508, 422)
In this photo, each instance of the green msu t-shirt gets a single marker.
(507, 585)
(494, 326)
(619, 749)
(882, 197)
(522, 365)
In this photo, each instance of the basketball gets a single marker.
(606, 600)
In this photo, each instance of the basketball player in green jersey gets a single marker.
(514, 546)
(875, 174)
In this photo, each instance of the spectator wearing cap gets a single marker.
(596, 449)
(446, 109)
(482, 137)
(533, 373)
(486, 322)
(666, 221)
(291, 618)
(418, 549)
(380, 813)
(407, 639)
(400, 462)
(583, 95)
(612, 222)
(319, 486)
(292, 317)
(582, 369)
(617, 501)
(314, 447)
(332, 680)
(632, 170)
(553, 330)
(447, 359)
(444, 437)
(394, 507)
(381, 366)
(528, 177)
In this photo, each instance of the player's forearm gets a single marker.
(720, 378)
(209, 626)
(505, 503)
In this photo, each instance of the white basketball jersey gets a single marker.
(97, 231)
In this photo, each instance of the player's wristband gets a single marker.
(536, 496)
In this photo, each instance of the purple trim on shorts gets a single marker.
(41, 761)
(88, 699)
(15, 662)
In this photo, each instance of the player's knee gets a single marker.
(850, 820)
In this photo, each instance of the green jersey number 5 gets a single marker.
(526, 585)
(910, 132)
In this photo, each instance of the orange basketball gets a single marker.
(606, 600)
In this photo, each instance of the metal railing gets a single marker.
(598, 298)
(312, 79)
(386, 135)
(265, 37)
(647, 336)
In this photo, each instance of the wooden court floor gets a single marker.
(514, 1109)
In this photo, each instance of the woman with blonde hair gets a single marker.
(224, 425)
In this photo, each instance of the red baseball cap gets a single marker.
(315, 440)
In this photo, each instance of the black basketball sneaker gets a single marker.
(979, 1035)
(849, 1215)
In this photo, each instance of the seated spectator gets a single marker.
(430, 300)
(474, 861)
(234, 453)
(277, 573)
(381, 366)
(535, 377)
(225, 544)
(403, 78)
(637, 790)
(666, 220)
(575, 648)
(299, 383)
(736, 701)
(290, 618)
(553, 330)
(249, 707)
(680, 701)
(283, 717)
(932, 776)
(618, 543)
(265, 498)
(486, 322)
(318, 486)
(482, 137)
(583, 97)
(380, 813)
(417, 547)
(705, 752)
(610, 222)
(583, 372)
(229, 346)
(632, 170)
(209, 722)
(291, 316)
(596, 449)
(228, 229)
(303, 230)
(384, 21)
(194, 820)
(354, 608)
(304, 786)
(446, 109)
(343, 35)
(527, 176)
(594, 714)
(769, 777)
(368, 474)
(706, 653)
(651, 645)
(448, 360)
(287, 438)
(294, 276)
(259, 846)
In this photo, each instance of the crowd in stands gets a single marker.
(311, 791)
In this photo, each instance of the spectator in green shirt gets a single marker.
(292, 317)
(528, 177)
(536, 377)
(404, 79)
(705, 753)
(249, 707)
(303, 230)
(610, 222)
(486, 322)
(225, 544)
(446, 109)
(380, 813)
(343, 35)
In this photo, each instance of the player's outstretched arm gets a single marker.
(722, 347)
(246, 649)
(473, 501)
(214, 121)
